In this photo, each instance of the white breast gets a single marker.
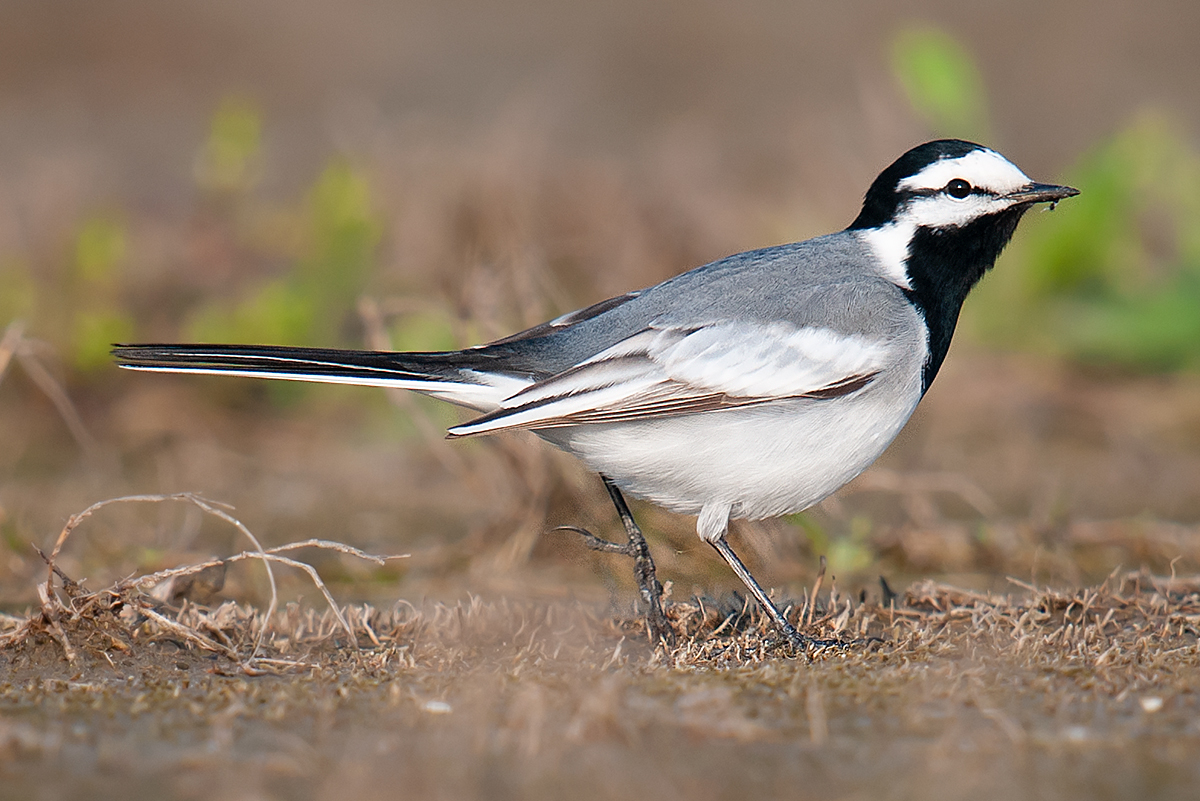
(761, 461)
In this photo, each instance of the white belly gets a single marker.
(762, 461)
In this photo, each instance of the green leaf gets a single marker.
(1112, 276)
(427, 330)
(18, 292)
(941, 82)
(230, 159)
(94, 335)
(279, 313)
(344, 232)
(100, 249)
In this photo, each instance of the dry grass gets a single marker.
(139, 598)
(1038, 691)
(1132, 619)
(941, 692)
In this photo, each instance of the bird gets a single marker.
(748, 388)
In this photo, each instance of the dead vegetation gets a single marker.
(971, 692)
(110, 617)
(1133, 618)
(1104, 630)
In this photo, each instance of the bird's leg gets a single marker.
(643, 565)
(643, 568)
(781, 622)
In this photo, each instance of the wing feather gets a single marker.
(663, 371)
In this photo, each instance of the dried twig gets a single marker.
(13, 335)
(75, 519)
(372, 316)
(812, 601)
(341, 547)
(15, 344)
(51, 603)
(189, 633)
(50, 610)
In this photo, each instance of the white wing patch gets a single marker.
(775, 360)
(666, 371)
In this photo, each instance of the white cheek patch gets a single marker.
(985, 169)
(943, 211)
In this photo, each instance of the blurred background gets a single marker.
(429, 175)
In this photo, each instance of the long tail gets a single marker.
(460, 377)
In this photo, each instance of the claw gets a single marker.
(598, 543)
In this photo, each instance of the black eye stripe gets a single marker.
(975, 190)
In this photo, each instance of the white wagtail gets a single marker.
(750, 387)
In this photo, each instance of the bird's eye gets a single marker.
(958, 189)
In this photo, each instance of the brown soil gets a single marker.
(940, 694)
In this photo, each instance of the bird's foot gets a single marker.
(649, 589)
(801, 642)
(806, 643)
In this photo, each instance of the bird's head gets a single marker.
(950, 183)
(937, 219)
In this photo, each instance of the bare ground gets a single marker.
(941, 693)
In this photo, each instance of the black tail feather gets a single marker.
(269, 359)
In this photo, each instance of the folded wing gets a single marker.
(663, 371)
